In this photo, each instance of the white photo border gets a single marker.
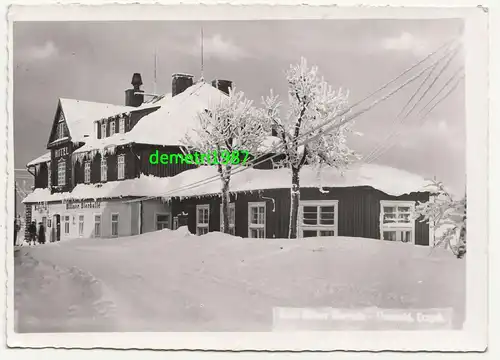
(474, 335)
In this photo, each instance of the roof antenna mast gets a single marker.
(202, 78)
(154, 72)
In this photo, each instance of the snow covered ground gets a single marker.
(172, 281)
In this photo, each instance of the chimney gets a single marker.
(222, 85)
(131, 98)
(181, 82)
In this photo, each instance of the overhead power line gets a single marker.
(240, 168)
(424, 118)
(381, 145)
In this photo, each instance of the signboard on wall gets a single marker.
(40, 207)
(90, 204)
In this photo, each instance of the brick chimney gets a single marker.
(131, 98)
(222, 85)
(181, 82)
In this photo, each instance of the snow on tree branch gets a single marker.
(312, 104)
(448, 216)
(233, 124)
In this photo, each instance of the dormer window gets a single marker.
(122, 125)
(60, 130)
(60, 127)
(103, 129)
(112, 125)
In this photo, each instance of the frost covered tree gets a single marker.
(229, 130)
(447, 215)
(311, 102)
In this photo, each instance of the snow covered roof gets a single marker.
(41, 159)
(143, 186)
(168, 125)
(269, 143)
(389, 180)
(80, 115)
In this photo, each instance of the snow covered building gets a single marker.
(97, 180)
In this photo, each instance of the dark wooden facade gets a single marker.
(42, 176)
(61, 152)
(358, 211)
(144, 166)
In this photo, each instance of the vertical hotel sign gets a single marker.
(83, 205)
(61, 152)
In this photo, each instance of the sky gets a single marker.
(94, 61)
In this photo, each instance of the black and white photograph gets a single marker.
(235, 174)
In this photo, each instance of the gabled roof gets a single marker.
(389, 180)
(80, 116)
(176, 117)
(41, 159)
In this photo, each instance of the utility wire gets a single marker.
(381, 144)
(444, 86)
(330, 128)
(341, 123)
(424, 118)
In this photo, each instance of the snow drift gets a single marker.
(167, 281)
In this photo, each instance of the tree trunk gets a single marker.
(294, 204)
(225, 206)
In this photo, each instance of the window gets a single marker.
(66, 224)
(49, 176)
(202, 219)
(87, 172)
(104, 168)
(81, 220)
(121, 167)
(112, 125)
(396, 223)
(318, 218)
(60, 130)
(114, 224)
(97, 225)
(257, 220)
(162, 221)
(103, 130)
(231, 215)
(122, 125)
(61, 172)
(44, 221)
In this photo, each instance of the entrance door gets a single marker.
(57, 227)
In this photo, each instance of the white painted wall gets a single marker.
(128, 218)
(107, 208)
(149, 209)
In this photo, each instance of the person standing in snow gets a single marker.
(32, 233)
(41, 233)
